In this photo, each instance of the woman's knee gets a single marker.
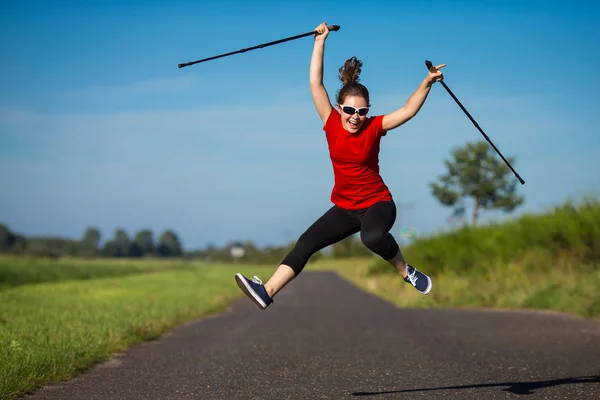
(372, 238)
(380, 242)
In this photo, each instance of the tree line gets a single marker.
(167, 244)
(89, 245)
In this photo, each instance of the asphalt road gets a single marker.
(325, 339)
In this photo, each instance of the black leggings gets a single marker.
(374, 224)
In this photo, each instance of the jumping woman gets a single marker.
(361, 200)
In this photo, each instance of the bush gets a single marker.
(567, 231)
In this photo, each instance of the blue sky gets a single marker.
(99, 127)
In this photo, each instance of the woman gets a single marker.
(361, 200)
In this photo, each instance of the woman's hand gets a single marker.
(435, 74)
(322, 32)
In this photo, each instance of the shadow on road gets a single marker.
(522, 388)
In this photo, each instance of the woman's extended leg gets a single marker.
(333, 226)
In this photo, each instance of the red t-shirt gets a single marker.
(355, 160)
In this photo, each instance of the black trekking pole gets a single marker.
(260, 46)
(429, 65)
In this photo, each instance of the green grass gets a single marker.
(570, 230)
(562, 288)
(53, 331)
(17, 271)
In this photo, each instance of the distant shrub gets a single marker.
(569, 230)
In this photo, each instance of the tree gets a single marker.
(475, 172)
(111, 249)
(144, 240)
(119, 246)
(92, 237)
(90, 241)
(122, 242)
(52, 246)
(19, 245)
(7, 238)
(169, 244)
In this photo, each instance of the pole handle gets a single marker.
(429, 64)
(333, 27)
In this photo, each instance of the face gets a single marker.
(353, 122)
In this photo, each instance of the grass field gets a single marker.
(52, 331)
(17, 271)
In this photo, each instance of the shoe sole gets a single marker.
(243, 285)
(428, 286)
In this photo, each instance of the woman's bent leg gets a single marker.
(376, 224)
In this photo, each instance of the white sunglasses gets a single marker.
(362, 111)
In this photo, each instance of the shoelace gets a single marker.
(256, 279)
(412, 277)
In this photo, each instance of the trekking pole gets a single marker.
(260, 46)
(429, 65)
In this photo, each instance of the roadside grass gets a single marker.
(568, 231)
(559, 287)
(19, 270)
(52, 331)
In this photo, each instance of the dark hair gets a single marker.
(349, 75)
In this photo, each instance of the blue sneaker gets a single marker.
(418, 279)
(254, 289)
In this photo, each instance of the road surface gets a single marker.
(323, 338)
